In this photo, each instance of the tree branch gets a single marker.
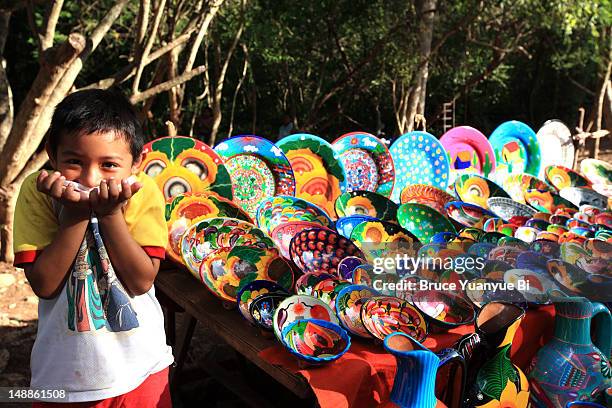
(51, 17)
(165, 86)
(213, 8)
(159, 12)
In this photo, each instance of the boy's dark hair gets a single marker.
(96, 110)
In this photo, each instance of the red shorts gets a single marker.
(153, 392)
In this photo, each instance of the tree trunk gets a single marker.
(8, 197)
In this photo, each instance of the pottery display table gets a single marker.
(362, 377)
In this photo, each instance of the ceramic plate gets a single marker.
(186, 209)
(469, 215)
(347, 265)
(306, 283)
(348, 308)
(274, 211)
(538, 284)
(367, 162)
(428, 195)
(469, 151)
(319, 174)
(262, 308)
(562, 177)
(507, 208)
(258, 169)
(423, 221)
(445, 310)
(419, 158)
(316, 341)
(251, 291)
(556, 137)
(597, 171)
(383, 315)
(516, 149)
(366, 203)
(183, 164)
(300, 307)
(475, 189)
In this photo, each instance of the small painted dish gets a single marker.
(383, 315)
(262, 308)
(348, 308)
(562, 177)
(252, 290)
(505, 253)
(598, 248)
(345, 225)
(468, 215)
(576, 254)
(548, 248)
(516, 149)
(547, 201)
(597, 171)
(445, 310)
(367, 162)
(493, 224)
(475, 189)
(426, 194)
(306, 283)
(576, 281)
(366, 203)
(320, 250)
(526, 234)
(516, 185)
(604, 218)
(299, 307)
(492, 237)
(507, 208)
(538, 224)
(362, 275)
(532, 285)
(347, 265)
(481, 249)
(481, 291)
(274, 211)
(284, 233)
(469, 151)
(381, 232)
(328, 289)
(315, 341)
(423, 221)
(583, 195)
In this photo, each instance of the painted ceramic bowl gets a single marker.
(516, 185)
(262, 308)
(547, 248)
(576, 254)
(445, 310)
(306, 283)
(493, 224)
(184, 210)
(471, 233)
(476, 189)
(481, 249)
(481, 291)
(466, 214)
(547, 201)
(516, 149)
(316, 341)
(492, 237)
(362, 275)
(598, 248)
(319, 250)
(506, 253)
(284, 233)
(538, 224)
(328, 289)
(597, 171)
(251, 291)
(348, 308)
(381, 232)
(583, 195)
(275, 211)
(183, 164)
(347, 265)
(300, 307)
(561, 177)
(426, 194)
(366, 203)
(559, 219)
(423, 221)
(526, 234)
(576, 281)
(494, 269)
(469, 151)
(557, 147)
(367, 162)
(604, 218)
(507, 208)
(383, 315)
(532, 285)
(345, 225)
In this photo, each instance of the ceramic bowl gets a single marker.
(492, 237)
(427, 195)
(472, 233)
(481, 291)
(538, 224)
(362, 275)
(597, 171)
(582, 195)
(328, 289)
(516, 184)
(383, 315)
(262, 308)
(507, 229)
(547, 201)
(579, 256)
(576, 281)
(466, 214)
(532, 285)
(604, 218)
(481, 249)
(562, 177)
(507, 254)
(347, 265)
(423, 221)
(444, 310)
(381, 232)
(284, 233)
(320, 250)
(598, 248)
(493, 224)
(250, 291)
(507, 208)
(299, 307)
(442, 237)
(277, 210)
(513, 242)
(366, 203)
(348, 308)
(549, 249)
(315, 341)
(346, 225)
(475, 189)
(526, 234)
(306, 283)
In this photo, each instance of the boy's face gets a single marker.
(88, 159)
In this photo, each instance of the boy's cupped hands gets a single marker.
(106, 199)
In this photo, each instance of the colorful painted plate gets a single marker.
(419, 158)
(469, 151)
(366, 203)
(319, 174)
(381, 232)
(444, 310)
(262, 308)
(547, 201)
(583, 195)
(466, 214)
(184, 210)
(507, 208)
(348, 308)
(274, 211)
(252, 290)
(320, 250)
(284, 233)
(183, 164)
(516, 185)
(597, 171)
(367, 162)
(476, 189)
(428, 195)
(532, 285)
(383, 315)
(300, 307)
(557, 147)
(423, 221)
(562, 177)
(516, 149)
(258, 169)
(316, 341)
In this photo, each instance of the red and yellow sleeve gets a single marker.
(35, 222)
(145, 218)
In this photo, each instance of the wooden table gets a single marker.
(182, 290)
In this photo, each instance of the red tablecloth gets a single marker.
(363, 377)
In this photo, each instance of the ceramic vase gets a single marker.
(572, 366)
(415, 380)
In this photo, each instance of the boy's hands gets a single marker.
(53, 185)
(109, 199)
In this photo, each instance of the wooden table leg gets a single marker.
(182, 346)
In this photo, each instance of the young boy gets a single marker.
(92, 258)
